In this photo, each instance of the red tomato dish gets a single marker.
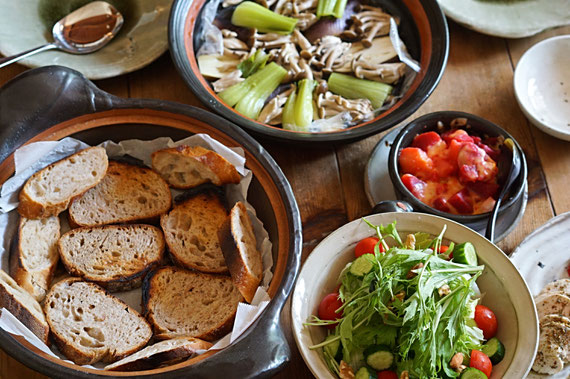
(453, 172)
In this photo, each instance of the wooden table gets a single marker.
(328, 181)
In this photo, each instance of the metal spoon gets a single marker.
(83, 31)
(513, 174)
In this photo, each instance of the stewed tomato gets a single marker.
(486, 321)
(481, 362)
(328, 308)
(453, 172)
(366, 246)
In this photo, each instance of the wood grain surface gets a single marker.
(328, 181)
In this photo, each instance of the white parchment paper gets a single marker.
(35, 156)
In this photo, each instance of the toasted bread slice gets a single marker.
(23, 306)
(128, 193)
(239, 247)
(161, 353)
(34, 256)
(117, 257)
(89, 325)
(189, 166)
(49, 191)
(190, 230)
(182, 303)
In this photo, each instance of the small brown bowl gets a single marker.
(423, 29)
(53, 102)
(478, 126)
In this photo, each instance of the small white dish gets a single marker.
(542, 85)
(143, 38)
(504, 289)
(508, 18)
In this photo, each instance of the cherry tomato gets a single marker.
(425, 140)
(443, 166)
(459, 135)
(415, 161)
(461, 202)
(366, 246)
(481, 362)
(415, 185)
(484, 189)
(443, 249)
(474, 164)
(441, 204)
(486, 321)
(387, 374)
(328, 307)
(453, 151)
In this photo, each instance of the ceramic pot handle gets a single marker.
(392, 206)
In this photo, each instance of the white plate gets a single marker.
(508, 18)
(378, 186)
(504, 289)
(142, 39)
(542, 85)
(542, 258)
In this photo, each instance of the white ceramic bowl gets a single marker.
(503, 288)
(542, 85)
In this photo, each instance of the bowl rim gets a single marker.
(110, 110)
(530, 335)
(185, 62)
(526, 108)
(400, 188)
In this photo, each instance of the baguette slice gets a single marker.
(239, 247)
(190, 230)
(187, 167)
(34, 256)
(181, 303)
(161, 353)
(49, 191)
(117, 257)
(89, 325)
(23, 306)
(128, 193)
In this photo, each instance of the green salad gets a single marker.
(406, 307)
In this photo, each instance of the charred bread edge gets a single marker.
(125, 283)
(201, 189)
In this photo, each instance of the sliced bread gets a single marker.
(182, 303)
(239, 247)
(189, 166)
(161, 353)
(128, 193)
(89, 325)
(34, 256)
(191, 228)
(23, 306)
(117, 257)
(49, 191)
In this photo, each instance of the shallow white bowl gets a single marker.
(542, 85)
(503, 289)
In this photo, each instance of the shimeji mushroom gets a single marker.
(271, 113)
(330, 52)
(269, 40)
(288, 57)
(369, 23)
(386, 73)
(329, 105)
(228, 80)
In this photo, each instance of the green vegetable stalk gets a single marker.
(354, 88)
(252, 15)
(253, 63)
(333, 8)
(249, 96)
(298, 111)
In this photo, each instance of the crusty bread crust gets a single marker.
(12, 297)
(36, 282)
(76, 351)
(135, 261)
(243, 261)
(31, 206)
(189, 166)
(147, 359)
(156, 300)
(130, 193)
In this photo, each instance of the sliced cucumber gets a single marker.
(333, 348)
(365, 373)
(379, 357)
(362, 265)
(472, 373)
(495, 350)
(465, 254)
